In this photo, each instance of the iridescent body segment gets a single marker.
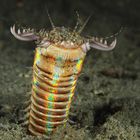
(55, 72)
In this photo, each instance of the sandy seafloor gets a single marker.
(108, 89)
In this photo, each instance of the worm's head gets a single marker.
(59, 35)
(64, 37)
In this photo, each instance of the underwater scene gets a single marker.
(69, 70)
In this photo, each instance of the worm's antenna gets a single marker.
(115, 34)
(50, 19)
(85, 23)
(77, 23)
(76, 26)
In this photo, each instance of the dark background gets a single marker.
(27, 12)
(108, 89)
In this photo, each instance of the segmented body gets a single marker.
(55, 72)
(58, 61)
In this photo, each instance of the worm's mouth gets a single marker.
(63, 44)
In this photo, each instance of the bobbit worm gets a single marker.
(58, 61)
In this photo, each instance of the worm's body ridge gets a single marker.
(55, 72)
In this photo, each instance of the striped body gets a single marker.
(56, 69)
(55, 72)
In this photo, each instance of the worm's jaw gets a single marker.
(98, 44)
(24, 35)
(101, 44)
